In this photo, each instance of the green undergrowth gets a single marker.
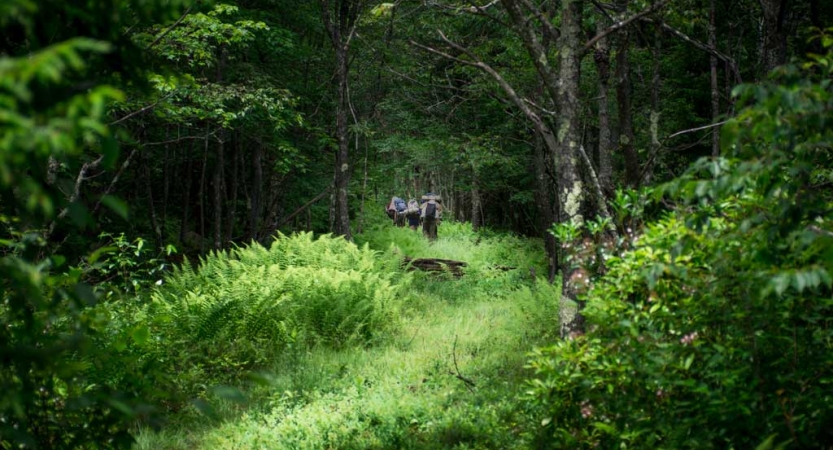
(445, 370)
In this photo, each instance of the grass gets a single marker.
(407, 390)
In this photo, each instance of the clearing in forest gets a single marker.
(448, 375)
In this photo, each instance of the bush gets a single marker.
(237, 310)
(716, 330)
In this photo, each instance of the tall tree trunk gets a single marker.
(166, 189)
(715, 95)
(340, 17)
(775, 31)
(623, 100)
(601, 57)
(364, 189)
(342, 177)
(218, 196)
(257, 192)
(186, 198)
(232, 201)
(157, 232)
(543, 200)
(570, 190)
(656, 86)
(476, 218)
(201, 194)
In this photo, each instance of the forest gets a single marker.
(635, 249)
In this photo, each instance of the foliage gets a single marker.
(48, 121)
(401, 392)
(714, 331)
(124, 267)
(238, 309)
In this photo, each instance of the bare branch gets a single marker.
(443, 54)
(174, 141)
(621, 24)
(165, 33)
(706, 48)
(115, 180)
(140, 111)
(691, 130)
(539, 107)
(469, 383)
(545, 22)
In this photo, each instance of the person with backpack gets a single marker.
(396, 211)
(431, 213)
(412, 214)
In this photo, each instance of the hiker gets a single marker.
(431, 213)
(396, 211)
(412, 214)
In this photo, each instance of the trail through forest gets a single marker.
(447, 377)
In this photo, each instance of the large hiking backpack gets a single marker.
(413, 208)
(430, 211)
(399, 204)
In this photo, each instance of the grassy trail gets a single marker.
(449, 376)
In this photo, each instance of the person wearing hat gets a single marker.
(431, 213)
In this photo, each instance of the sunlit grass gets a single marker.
(407, 390)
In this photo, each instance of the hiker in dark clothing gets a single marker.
(412, 213)
(396, 211)
(431, 213)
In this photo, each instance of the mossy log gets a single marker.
(455, 268)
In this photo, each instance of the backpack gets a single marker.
(430, 210)
(413, 208)
(399, 204)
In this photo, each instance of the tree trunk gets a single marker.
(342, 177)
(339, 17)
(715, 95)
(601, 56)
(157, 232)
(543, 199)
(775, 31)
(232, 201)
(570, 190)
(364, 189)
(218, 196)
(257, 192)
(476, 219)
(166, 189)
(656, 86)
(201, 194)
(186, 198)
(623, 100)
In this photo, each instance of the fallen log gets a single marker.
(436, 265)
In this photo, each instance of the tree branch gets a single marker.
(469, 383)
(140, 111)
(691, 130)
(621, 24)
(165, 33)
(706, 48)
(114, 180)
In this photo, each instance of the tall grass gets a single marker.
(408, 389)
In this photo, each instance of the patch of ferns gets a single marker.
(322, 291)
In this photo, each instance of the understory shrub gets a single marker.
(716, 329)
(238, 309)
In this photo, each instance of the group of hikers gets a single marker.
(428, 211)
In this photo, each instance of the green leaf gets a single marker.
(140, 334)
(116, 205)
(606, 428)
(100, 251)
(688, 362)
